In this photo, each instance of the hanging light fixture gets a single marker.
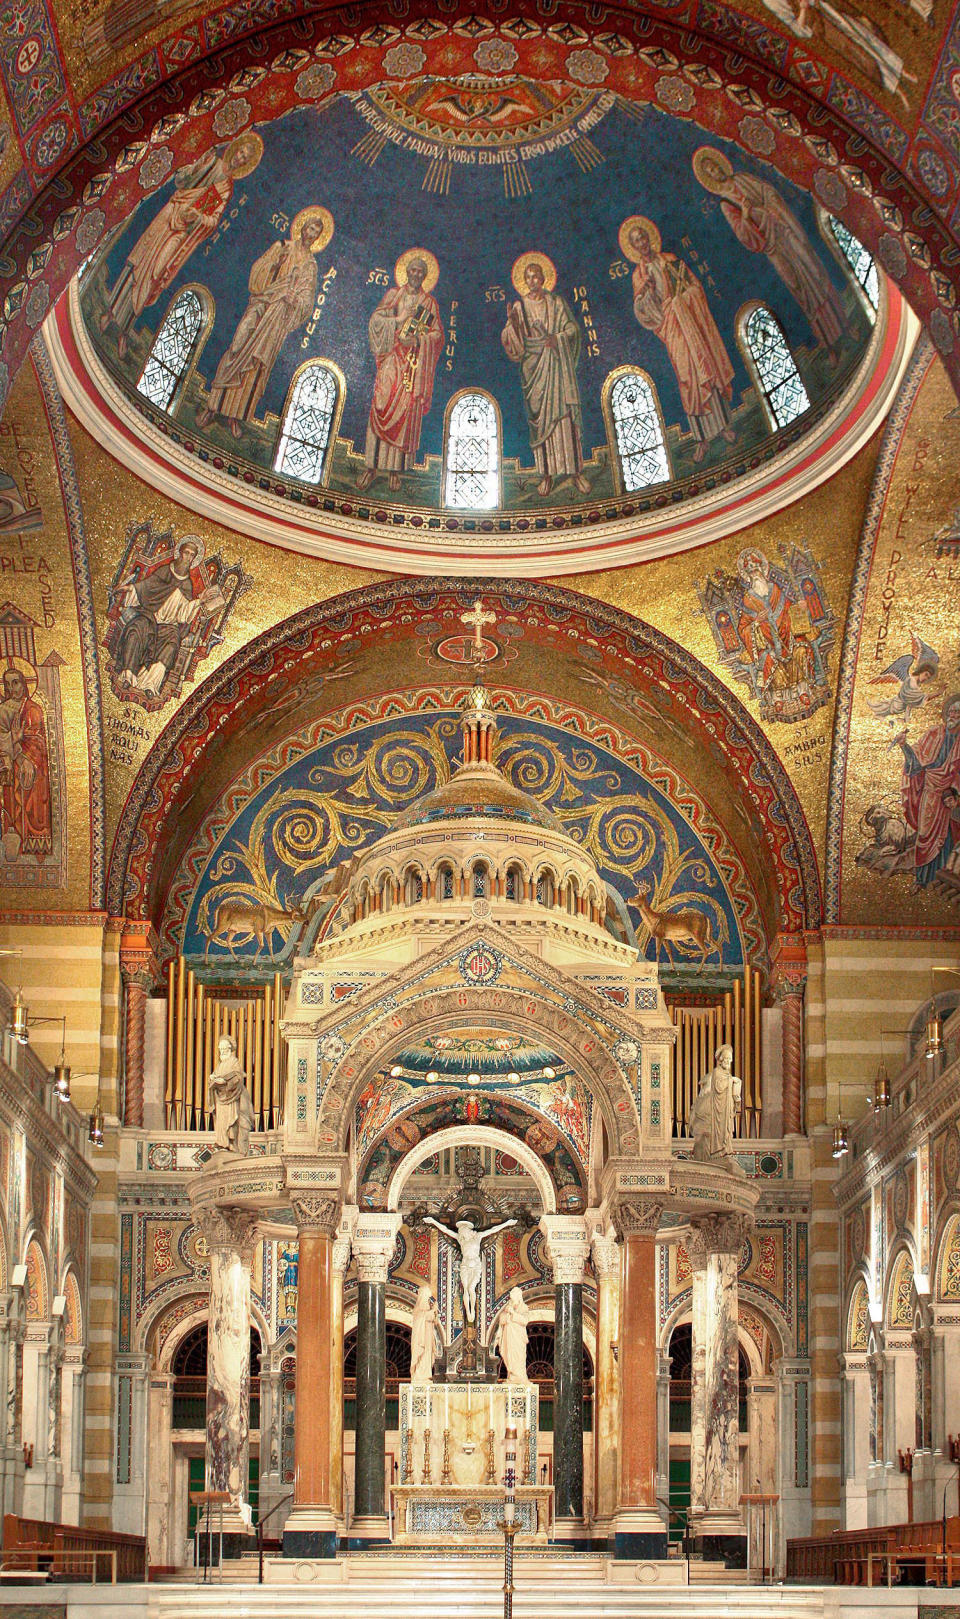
(841, 1139)
(934, 1033)
(881, 1089)
(95, 1131)
(19, 1025)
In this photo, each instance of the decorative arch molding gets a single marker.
(73, 1317)
(681, 1314)
(161, 1330)
(900, 1293)
(780, 1329)
(37, 1302)
(308, 647)
(4, 1262)
(437, 1010)
(839, 156)
(479, 1135)
(946, 1266)
(856, 1332)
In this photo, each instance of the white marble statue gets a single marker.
(714, 1113)
(423, 1336)
(511, 1337)
(468, 1240)
(232, 1107)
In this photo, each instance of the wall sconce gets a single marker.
(95, 1130)
(19, 1021)
(881, 1088)
(934, 1023)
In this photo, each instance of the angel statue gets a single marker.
(468, 1240)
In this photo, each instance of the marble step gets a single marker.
(425, 1598)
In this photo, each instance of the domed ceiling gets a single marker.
(522, 242)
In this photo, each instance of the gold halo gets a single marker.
(26, 669)
(433, 269)
(637, 222)
(533, 257)
(304, 216)
(710, 154)
(252, 139)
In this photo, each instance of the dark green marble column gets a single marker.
(371, 1400)
(568, 1402)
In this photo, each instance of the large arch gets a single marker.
(482, 1135)
(75, 198)
(195, 755)
(440, 1010)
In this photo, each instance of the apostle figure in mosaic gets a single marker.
(188, 218)
(406, 337)
(715, 1112)
(511, 1337)
(761, 220)
(930, 791)
(283, 287)
(543, 338)
(26, 820)
(423, 1336)
(232, 1108)
(669, 301)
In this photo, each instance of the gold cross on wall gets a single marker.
(475, 620)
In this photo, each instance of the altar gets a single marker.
(452, 1462)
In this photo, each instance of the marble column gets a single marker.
(567, 1250)
(230, 1236)
(342, 1250)
(605, 1254)
(138, 970)
(856, 1438)
(161, 1534)
(12, 1330)
(789, 978)
(714, 1248)
(640, 1531)
(311, 1528)
(374, 1241)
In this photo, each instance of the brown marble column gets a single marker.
(340, 1259)
(788, 981)
(138, 971)
(605, 1254)
(639, 1528)
(311, 1529)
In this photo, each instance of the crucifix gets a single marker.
(475, 620)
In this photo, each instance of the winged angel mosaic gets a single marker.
(277, 861)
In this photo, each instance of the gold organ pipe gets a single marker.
(170, 1111)
(178, 1039)
(198, 1043)
(737, 1028)
(278, 1009)
(266, 1053)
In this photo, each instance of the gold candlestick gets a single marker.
(426, 1457)
(491, 1469)
(445, 1477)
(525, 1448)
(408, 1464)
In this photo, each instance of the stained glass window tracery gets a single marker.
(861, 263)
(636, 421)
(172, 350)
(776, 370)
(472, 462)
(307, 424)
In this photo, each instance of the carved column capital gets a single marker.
(138, 955)
(316, 1212)
(788, 965)
(343, 1241)
(374, 1241)
(229, 1230)
(636, 1216)
(567, 1246)
(605, 1254)
(716, 1234)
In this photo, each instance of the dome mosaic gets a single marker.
(588, 325)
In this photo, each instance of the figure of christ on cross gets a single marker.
(468, 1240)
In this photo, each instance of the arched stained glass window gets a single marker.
(860, 262)
(776, 371)
(173, 348)
(639, 433)
(307, 423)
(472, 461)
